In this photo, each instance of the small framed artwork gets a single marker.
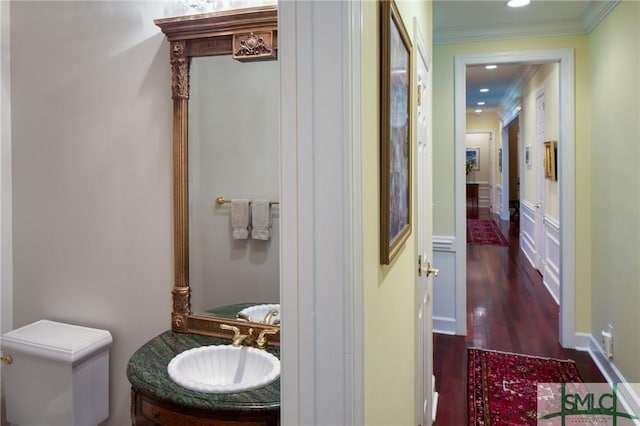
(500, 159)
(550, 160)
(395, 132)
(527, 155)
(473, 156)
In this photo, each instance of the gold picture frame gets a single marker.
(395, 132)
(550, 160)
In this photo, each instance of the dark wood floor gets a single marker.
(508, 309)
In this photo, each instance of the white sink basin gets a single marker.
(257, 313)
(223, 369)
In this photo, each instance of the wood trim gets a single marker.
(152, 412)
(217, 24)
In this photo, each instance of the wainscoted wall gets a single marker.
(551, 267)
(496, 208)
(527, 230)
(484, 194)
(551, 275)
(444, 285)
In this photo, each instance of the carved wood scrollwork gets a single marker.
(180, 64)
(181, 308)
(253, 46)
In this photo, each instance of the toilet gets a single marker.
(58, 375)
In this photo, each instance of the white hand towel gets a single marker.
(260, 219)
(240, 212)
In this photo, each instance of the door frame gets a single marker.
(566, 178)
(539, 177)
(505, 213)
(321, 255)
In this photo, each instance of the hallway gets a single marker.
(508, 309)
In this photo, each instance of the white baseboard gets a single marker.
(582, 341)
(444, 325)
(629, 397)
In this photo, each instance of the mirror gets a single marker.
(233, 152)
(217, 120)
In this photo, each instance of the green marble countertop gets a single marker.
(147, 373)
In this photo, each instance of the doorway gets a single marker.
(566, 178)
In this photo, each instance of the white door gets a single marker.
(539, 172)
(424, 236)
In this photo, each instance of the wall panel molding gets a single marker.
(444, 243)
(527, 231)
(551, 273)
(484, 194)
(444, 325)
(497, 200)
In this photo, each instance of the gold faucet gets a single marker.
(267, 318)
(261, 342)
(238, 339)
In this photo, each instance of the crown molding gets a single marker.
(585, 23)
(515, 91)
(507, 31)
(596, 12)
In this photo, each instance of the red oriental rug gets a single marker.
(502, 386)
(481, 231)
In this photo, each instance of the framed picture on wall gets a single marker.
(473, 156)
(550, 160)
(527, 155)
(395, 132)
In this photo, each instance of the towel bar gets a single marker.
(222, 200)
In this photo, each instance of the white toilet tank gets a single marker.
(59, 375)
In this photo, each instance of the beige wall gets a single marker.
(91, 111)
(390, 370)
(614, 66)
(443, 131)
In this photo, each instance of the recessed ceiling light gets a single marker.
(490, 67)
(478, 111)
(485, 90)
(518, 3)
(481, 103)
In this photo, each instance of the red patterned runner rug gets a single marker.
(502, 386)
(482, 231)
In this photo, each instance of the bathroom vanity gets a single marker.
(157, 400)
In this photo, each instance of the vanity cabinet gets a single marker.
(148, 412)
(157, 400)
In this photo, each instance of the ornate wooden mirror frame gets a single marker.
(248, 34)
